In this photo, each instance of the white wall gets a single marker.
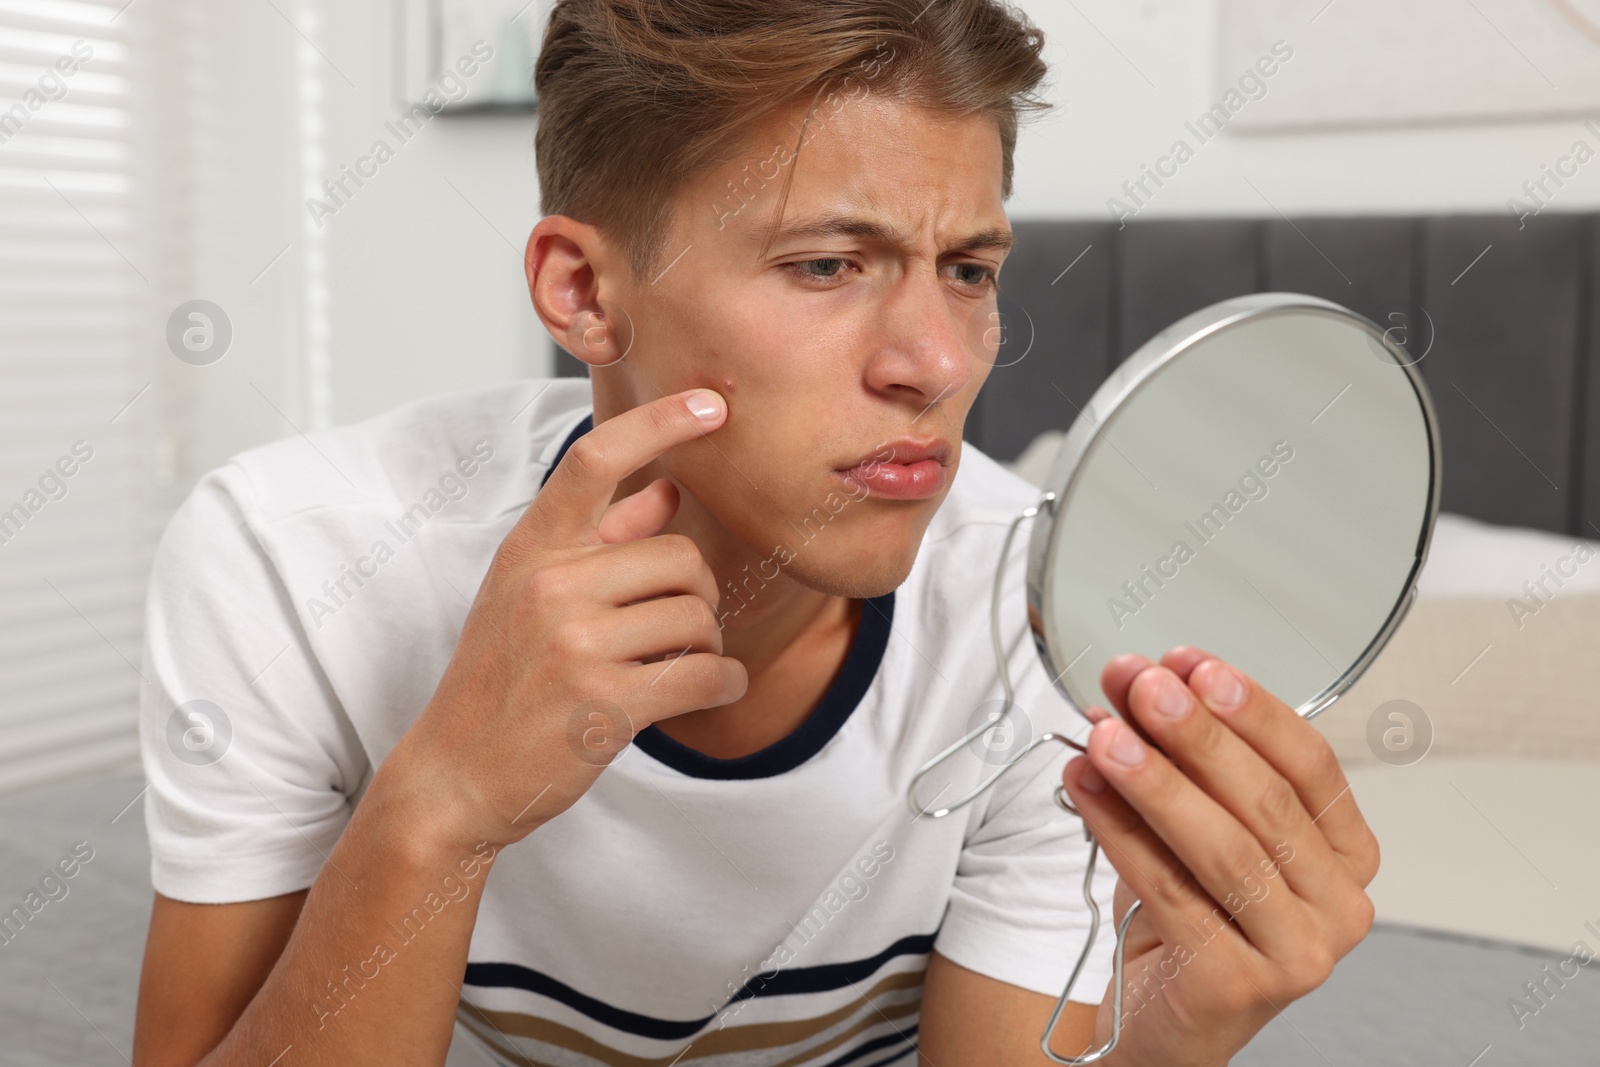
(1113, 121)
(410, 289)
(426, 291)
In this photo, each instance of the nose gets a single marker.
(924, 347)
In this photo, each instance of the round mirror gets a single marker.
(1259, 480)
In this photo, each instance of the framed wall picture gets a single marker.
(1378, 62)
(466, 56)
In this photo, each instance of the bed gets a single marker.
(1405, 996)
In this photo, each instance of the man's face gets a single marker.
(863, 339)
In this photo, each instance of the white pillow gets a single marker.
(1499, 651)
(1034, 463)
(1473, 558)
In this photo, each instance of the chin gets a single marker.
(860, 563)
(855, 575)
(858, 547)
(865, 580)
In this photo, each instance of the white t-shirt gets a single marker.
(773, 909)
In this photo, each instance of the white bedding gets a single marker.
(1498, 651)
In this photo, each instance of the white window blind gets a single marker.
(77, 514)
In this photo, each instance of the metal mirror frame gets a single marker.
(1125, 383)
(1121, 387)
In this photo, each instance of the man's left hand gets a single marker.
(1240, 836)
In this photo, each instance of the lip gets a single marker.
(906, 450)
(905, 468)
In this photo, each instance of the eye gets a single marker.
(971, 275)
(820, 270)
(976, 275)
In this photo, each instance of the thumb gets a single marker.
(641, 515)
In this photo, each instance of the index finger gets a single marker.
(580, 488)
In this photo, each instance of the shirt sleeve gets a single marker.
(252, 764)
(1017, 911)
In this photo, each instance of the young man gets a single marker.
(753, 544)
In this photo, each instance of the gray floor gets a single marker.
(68, 980)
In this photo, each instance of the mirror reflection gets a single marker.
(1264, 495)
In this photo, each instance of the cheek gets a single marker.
(779, 391)
(981, 369)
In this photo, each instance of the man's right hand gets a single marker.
(581, 594)
(551, 676)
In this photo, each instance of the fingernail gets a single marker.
(1126, 748)
(1171, 696)
(1219, 685)
(704, 405)
(1090, 780)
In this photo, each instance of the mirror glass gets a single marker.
(1260, 480)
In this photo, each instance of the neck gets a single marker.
(760, 616)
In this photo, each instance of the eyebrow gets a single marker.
(833, 226)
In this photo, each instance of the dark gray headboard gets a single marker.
(1514, 313)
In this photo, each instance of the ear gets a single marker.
(564, 263)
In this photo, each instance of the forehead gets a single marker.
(915, 173)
